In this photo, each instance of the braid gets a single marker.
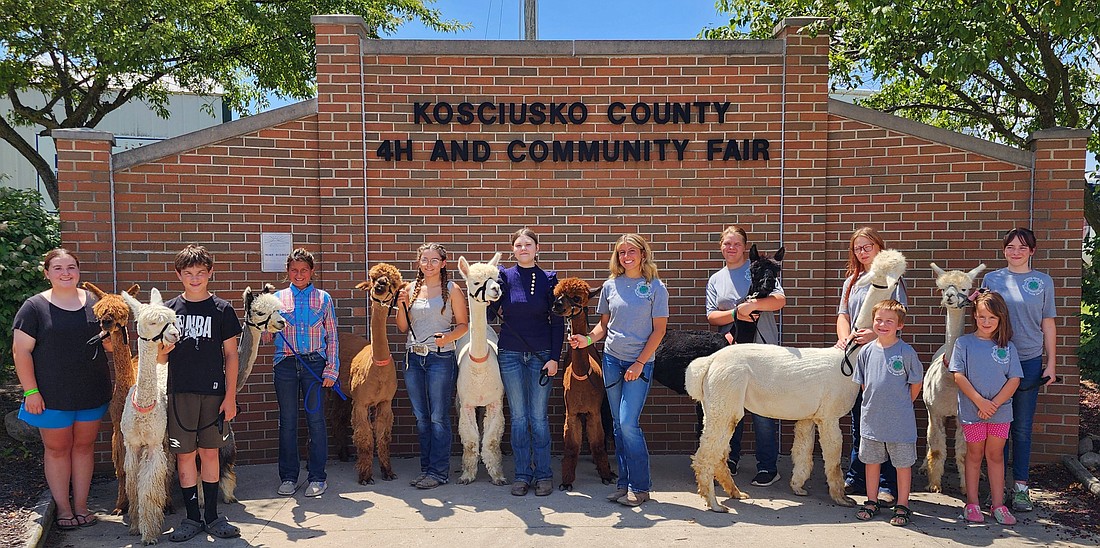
(416, 286)
(443, 283)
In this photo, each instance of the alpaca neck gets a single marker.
(379, 339)
(148, 377)
(955, 321)
(580, 362)
(479, 325)
(249, 347)
(866, 312)
(123, 360)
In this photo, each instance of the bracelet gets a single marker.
(30, 392)
(589, 337)
(639, 362)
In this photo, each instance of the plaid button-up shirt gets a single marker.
(310, 326)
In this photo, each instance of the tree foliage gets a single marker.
(89, 57)
(27, 232)
(997, 69)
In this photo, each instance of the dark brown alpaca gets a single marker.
(584, 388)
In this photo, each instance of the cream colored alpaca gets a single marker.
(145, 419)
(479, 383)
(809, 385)
(940, 392)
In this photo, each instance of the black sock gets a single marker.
(191, 499)
(210, 499)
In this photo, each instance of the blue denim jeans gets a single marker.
(766, 432)
(626, 400)
(1023, 418)
(293, 381)
(888, 478)
(430, 381)
(527, 403)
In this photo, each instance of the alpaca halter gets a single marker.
(159, 335)
(139, 408)
(262, 325)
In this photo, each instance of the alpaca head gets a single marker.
(482, 279)
(764, 272)
(385, 282)
(112, 312)
(883, 276)
(155, 322)
(262, 309)
(571, 297)
(955, 285)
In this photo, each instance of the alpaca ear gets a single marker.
(463, 267)
(133, 303)
(937, 270)
(269, 288)
(779, 254)
(247, 296)
(495, 260)
(133, 290)
(89, 286)
(592, 292)
(154, 297)
(754, 255)
(977, 270)
(362, 286)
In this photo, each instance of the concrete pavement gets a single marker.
(393, 514)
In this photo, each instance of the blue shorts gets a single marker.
(51, 418)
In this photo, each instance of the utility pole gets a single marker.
(530, 19)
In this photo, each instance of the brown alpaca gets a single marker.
(114, 315)
(367, 372)
(583, 382)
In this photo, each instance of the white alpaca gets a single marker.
(812, 386)
(479, 383)
(145, 419)
(940, 392)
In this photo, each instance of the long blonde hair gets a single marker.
(649, 269)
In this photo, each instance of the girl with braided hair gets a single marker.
(427, 309)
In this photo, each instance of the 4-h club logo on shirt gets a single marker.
(1000, 354)
(896, 365)
(748, 276)
(644, 290)
(1033, 285)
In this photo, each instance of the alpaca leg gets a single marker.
(960, 454)
(363, 436)
(118, 457)
(802, 454)
(490, 449)
(572, 448)
(154, 493)
(937, 452)
(831, 444)
(599, 452)
(468, 433)
(338, 417)
(383, 431)
(711, 455)
(227, 468)
(132, 487)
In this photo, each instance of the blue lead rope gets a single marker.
(320, 381)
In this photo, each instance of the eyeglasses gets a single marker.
(864, 248)
(426, 261)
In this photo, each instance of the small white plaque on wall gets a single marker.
(276, 246)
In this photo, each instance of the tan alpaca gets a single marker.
(367, 371)
(145, 419)
(940, 392)
(114, 317)
(479, 382)
(808, 385)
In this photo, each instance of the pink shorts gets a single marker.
(979, 431)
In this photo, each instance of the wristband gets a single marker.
(638, 362)
(30, 392)
(589, 337)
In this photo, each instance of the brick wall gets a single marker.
(313, 170)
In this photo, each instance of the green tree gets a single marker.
(87, 58)
(997, 69)
(27, 232)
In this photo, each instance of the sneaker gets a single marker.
(634, 498)
(732, 465)
(428, 483)
(1021, 499)
(316, 488)
(765, 478)
(850, 487)
(973, 514)
(418, 479)
(885, 497)
(543, 488)
(288, 488)
(618, 494)
(519, 488)
(1003, 516)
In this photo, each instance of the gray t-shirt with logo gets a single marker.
(632, 303)
(727, 288)
(1030, 300)
(988, 367)
(887, 411)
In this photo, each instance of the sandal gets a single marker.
(902, 516)
(868, 512)
(185, 531)
(66, 524)
(86, 520)
(221, 528)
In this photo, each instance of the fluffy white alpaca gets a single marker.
(811, 386)
(145, 419)
(479, 383)
(940, 392)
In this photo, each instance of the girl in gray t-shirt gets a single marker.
(987, 370)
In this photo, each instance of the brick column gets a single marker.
(1058, 175)
(84, 185)
(804, 153)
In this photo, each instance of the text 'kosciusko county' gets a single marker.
(538, 113)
